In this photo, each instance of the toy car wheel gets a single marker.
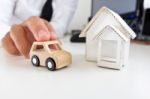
(50, 64)
(35, 60)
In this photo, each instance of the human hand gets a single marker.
(20, 38)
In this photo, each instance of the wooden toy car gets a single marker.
(49, 54)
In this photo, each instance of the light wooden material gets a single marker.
(107, 33)
(60, 57)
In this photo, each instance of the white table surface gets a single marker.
(81, 80)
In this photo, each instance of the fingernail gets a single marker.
(43, 35)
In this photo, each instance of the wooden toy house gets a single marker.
(108, 39)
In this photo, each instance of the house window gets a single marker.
(109, 50)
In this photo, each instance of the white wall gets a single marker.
(82, 14)
(84, 11)
(147, 3)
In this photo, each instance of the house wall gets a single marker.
(91, 48)
(92, 43)
(126, 48)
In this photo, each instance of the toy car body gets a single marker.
(49, 54)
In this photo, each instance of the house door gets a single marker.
(109, 51)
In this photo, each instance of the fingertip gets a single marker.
(43, 36)
(54, 36)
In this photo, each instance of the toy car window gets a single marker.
(54, 47)
(39, 47)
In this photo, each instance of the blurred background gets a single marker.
(135, 12)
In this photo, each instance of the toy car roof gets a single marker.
(46, 42)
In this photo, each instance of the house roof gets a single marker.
(124, 28)
(113, 28)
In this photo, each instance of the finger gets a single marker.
(53, 35)
(29, 35)
(9, 45)
(19, 37)
(51, 31)
(37, 28)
